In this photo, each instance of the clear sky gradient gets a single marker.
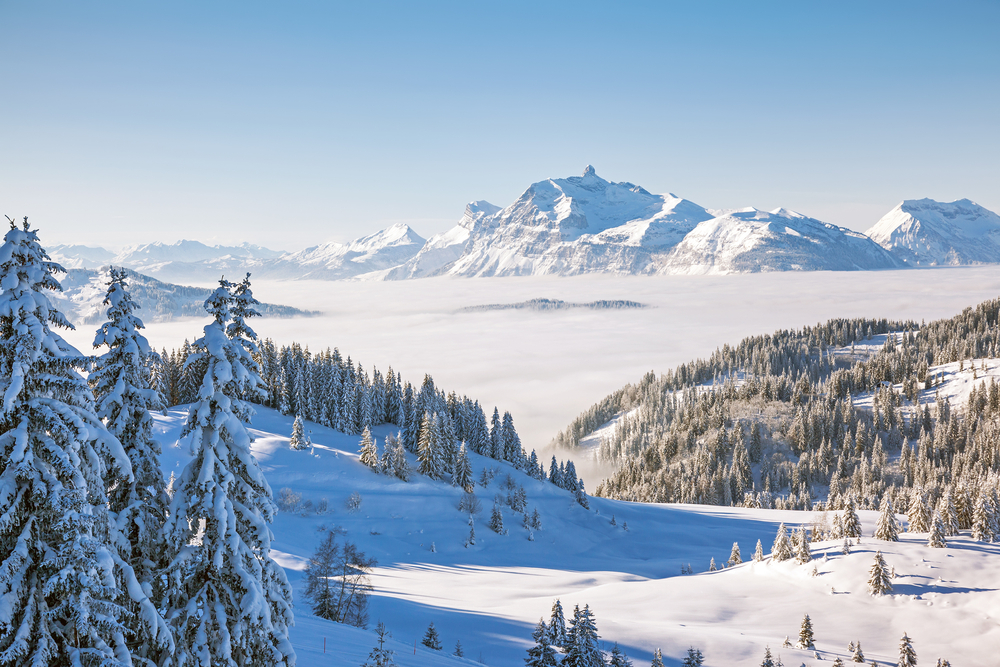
(289, 124)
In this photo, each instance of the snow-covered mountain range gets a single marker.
(924, 232)
(586, 224)
(751, 241)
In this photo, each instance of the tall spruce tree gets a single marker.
(583, 649)
(850, 521)
(66, 587)
(124, 396)
(781, 549)
(462, 476)
(541, 654)
(936, 538)
(907, 654)
(886, 527)
(806, 635)
(230, 603)
(369, 451)
(557, 625)
(879, 582)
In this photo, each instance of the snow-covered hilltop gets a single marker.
(586, 224)
(751, 241)
(924, 232)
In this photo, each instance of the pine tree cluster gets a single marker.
(772, 423)
(98, 565)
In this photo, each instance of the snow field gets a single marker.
(489, 596)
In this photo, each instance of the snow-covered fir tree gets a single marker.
(734, 556)
(781, 550)
(802, 552)
(429, 452)
(124, 396)
(66, 587)
(694, 658)
(657, 659)
(850, 521)
(230, 603)
(936, 537)
(583, 649)
(557, 625)
(496, 520)
(879, 582)
(857, 655)
(431, 639)
(768, 661)
(459, 652)
(918, 516)
(541, 654)
(949, 514)
(298, 439)
(368, 451)
(886, 527)
(618, 658)
(397, 457)
(758, 553)
(907, 654)
(712, 567)
(462, 476)
(806, 635)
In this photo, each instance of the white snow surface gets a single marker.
(924, 232)
(489, 596)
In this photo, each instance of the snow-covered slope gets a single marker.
(442, 249)
(490, 595)
(928, 232)
(752, 241)
(385, 249)
(581, 224)
(83, 294)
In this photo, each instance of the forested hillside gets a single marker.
(818, 414)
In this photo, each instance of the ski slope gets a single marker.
(490, 595)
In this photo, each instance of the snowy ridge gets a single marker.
(924, 232)
(751, 241)
(83, 294)
(332, 261)
(442, 249)
(489, 596)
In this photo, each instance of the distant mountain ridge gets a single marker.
(84, 289)
(586, 224)
(924, 232)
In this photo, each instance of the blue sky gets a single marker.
(290, 124)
